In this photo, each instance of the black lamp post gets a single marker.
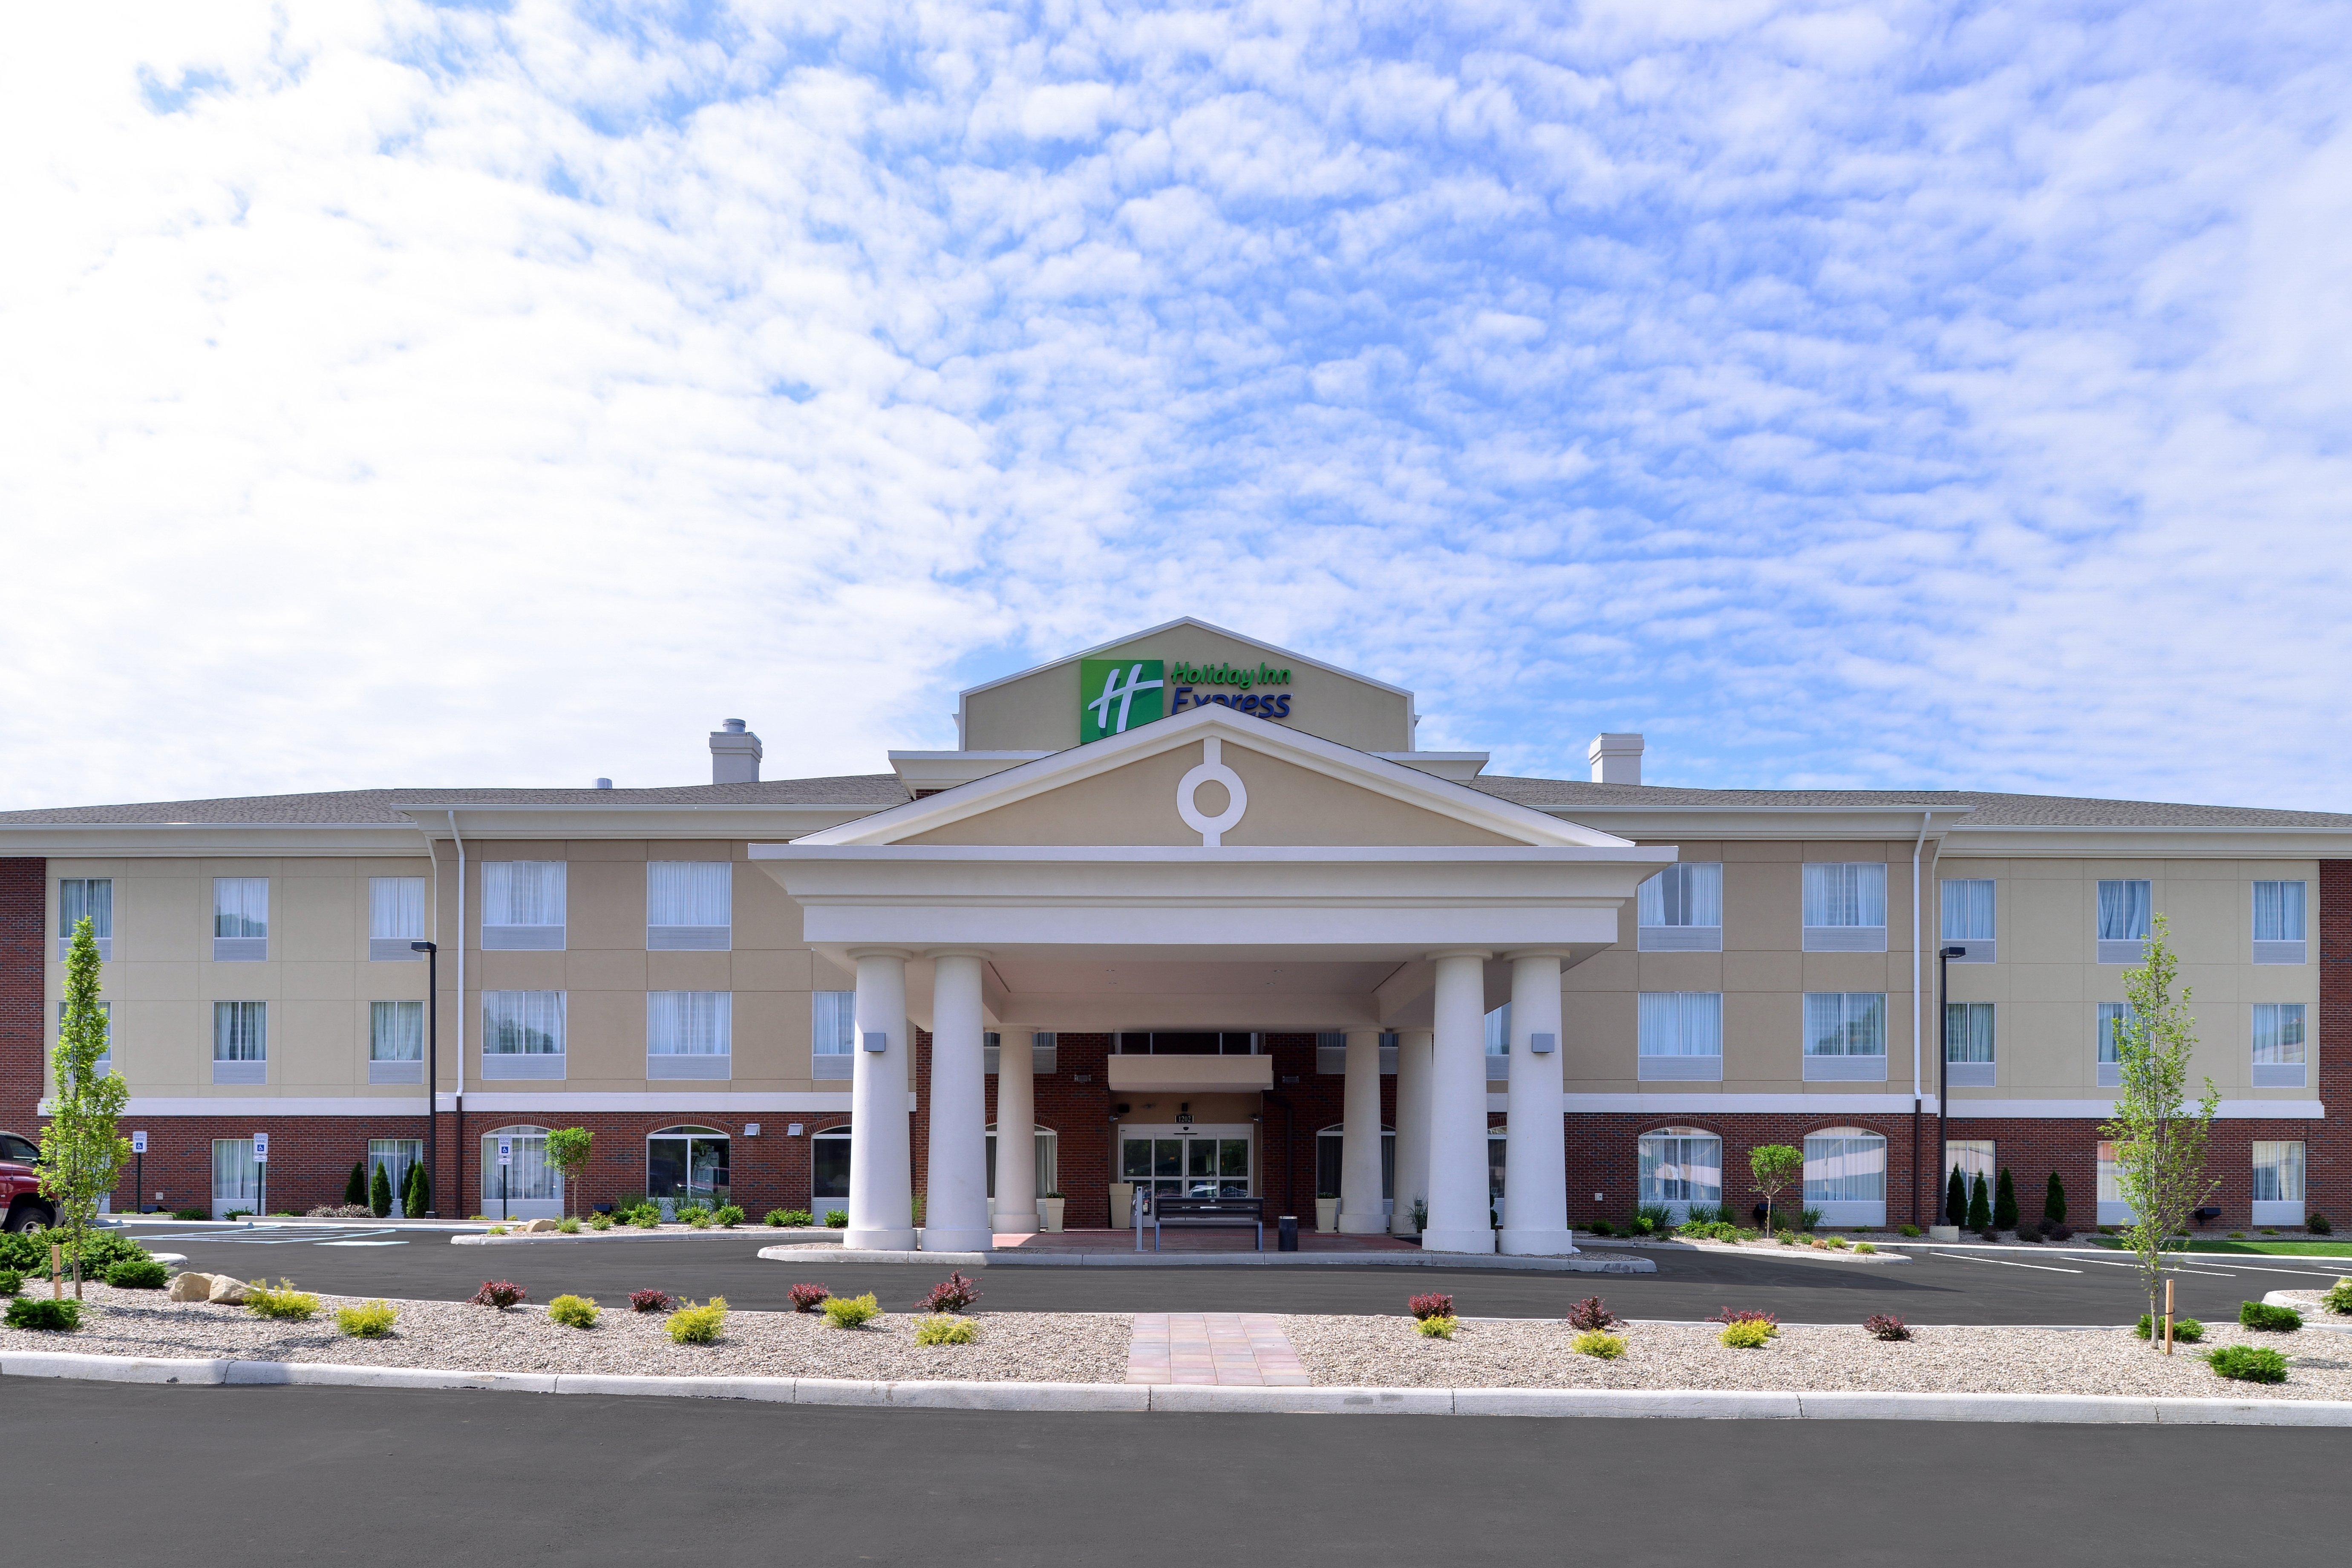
(432, 951)
(1944, 956)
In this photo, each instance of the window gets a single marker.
(1330, 1152)
(1197, 1167)
(2278, 923)
(395, 1157)
(686, 1164)
(19, 1151)
(1845, 1176)
(829, 1173)
(240, 1042)
(689, 905)
(690, 1033)
(2278, 1184)
(396, 1043)
(396, 919)
(2280, 1061)
(1048, 1163)
(86, 896)
(526, 1186)
(2126, 917)
(1967, 1045)
(1972, 1157)
(1043, 1046)
(523, 1034)
(236, 1177)
(1186, 1042)
(522, 906)
(1680, 909)
(1845, 1036)
(1845, 907)
(1682, 1035)
(240, 919)
(1680, 1166)
(1498, 1043)
(2113, 1209)
(1967, 919)
(2110, 1065)
(106, 1016)
(832, 1033)
(1331, 1053)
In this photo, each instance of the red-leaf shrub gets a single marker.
(1886, 1326)
(952, 1294)
(1592, 1315)
(652, 1301)
(807, 1298)
(1744, 1315)
(1431, 1306)
(498, 1293)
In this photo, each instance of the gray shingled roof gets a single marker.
(359, 806)
(1985, 808)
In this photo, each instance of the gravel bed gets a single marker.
(2314, 1310)
(1033, 1347)
(1525, 1353)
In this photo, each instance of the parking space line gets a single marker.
(2002, 1262)
(2171, 1268)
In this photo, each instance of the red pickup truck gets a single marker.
(20, 1189)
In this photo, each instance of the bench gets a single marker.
(1203, 1213)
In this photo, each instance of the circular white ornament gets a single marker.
(1212, 829)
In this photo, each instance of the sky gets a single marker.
(1869, 396)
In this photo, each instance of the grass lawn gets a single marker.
(2290, 1249)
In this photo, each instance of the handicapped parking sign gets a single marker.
(261, 1148)
(506, 1152)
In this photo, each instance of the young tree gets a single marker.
(1979, 1204)
(2004, 1203)
(1774, 1166)
(567, 1151)
(2053, 1202)
(416, 1192)
(82, 1152)
(1956, 1199)
(355, 1188)
(379, 1198)
(2159, 1142)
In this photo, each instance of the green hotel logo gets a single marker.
(1117, 694)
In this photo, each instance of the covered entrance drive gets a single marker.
(1206, 874)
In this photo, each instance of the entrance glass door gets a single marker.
(1187, 1162)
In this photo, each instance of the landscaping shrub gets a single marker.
(1908, 1230)
(1839, 1244)
(2057, 1230)
(2004, 1203)
(728, 1217)
(1746, 1335)
(337, 1211)
(808, 1297)
(645, 1216)
(27, 1252)
(1595, 1342)
(2248, 1363)
(499, 1293)
(1653, 1219)
(2054, 1201)
(1808, 1219)
(1600, 1227)
(1592, 1315)
(698, 1219)
(1979, 1204)
(573, 1311)
(951, 1295)
(498, 1230)
(1433, 1328)
(600, 1222)
(1747, 1315)
(2268, 1319)
(837, 1219)
(1433, 1305)
(568, 1225)
(2188, 1330)
(651, 1300)
(1886, 1326)
(2028, 1231)
(852, 1311)
(1708, 1230)
(1787, 1238)
(371, 1322)
(37, 1312)
(192, 1214)
(1988, 1233)
(1956, 1199)
(944, 1329)
(11, 1282)
(789, 1217)
(1869, 1247)
(139, 1274)
(285, 1304)
(415, 1194)
(2317, 1224)
(2338, 1297)
(380, 1194)
(698, 1325)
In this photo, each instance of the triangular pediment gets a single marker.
(1217, 778)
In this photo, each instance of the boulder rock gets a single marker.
(534, 1227)
(227, 1292)
(189, 1285)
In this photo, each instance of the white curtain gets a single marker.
(1847, 893)
(2125, 912)
(395, 908)
(1968, 908)
(90, 895)
(1498, 1031)
(689, 1022)
(528, 1176)
(2110, 1015)
(237, 1175)
(1967, 1032)
(1973, 1156)
(833, 1022)
(2111, 1190)
(1846, 1165)
(522, 1022)
(1682, 1023)
(1688, 895)
(2278, 1173)
(241, 906)
(2278, 1032)
(522, 892)
(689, 893)
(1680, 1165)
(396, 1032)
(2278, 912)
(1845, 1023)
(240, 1031)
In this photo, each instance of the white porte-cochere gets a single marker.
(1213, 871)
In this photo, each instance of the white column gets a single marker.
(955, 1211)
(1359, 1139)
(1535, 1167)
(1458, 1218)
(1016, 1136)
(881, 1181)
(1412, 1128)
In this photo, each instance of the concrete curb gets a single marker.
(629, 1233)
(1010, 1258)
(1708, 1404)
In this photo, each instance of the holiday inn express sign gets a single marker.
(1114, 695)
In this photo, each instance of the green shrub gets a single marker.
(1865, 1246)
(1433, 1328)
(2338, 1297)
(379, 1199)
(1600, 1227)
(27, 1252)
(2054, 1201)
(37, 1312)
(852, 1311)
(600, 1222)
(1599, 1343)
(371, 1320)
(645, 1216)
(2268, 1319)
(498, 1230)
(285, 1304)
(2188, 1330)
(944, 1330)
(789, 1217)
(355, 1185)
(1708, 1230)
(2317, 1224)
(837, 1219)
(1787, 1238)
(700, 1325)
(1654, 1219)
(568, 1225)
(11, 1282)
(1956, 1199)
(2004, 1203)
(698, 1219)
(573, 1311)
(728, 1217)
(2248, 1363)
(1749, 1335)
(192, 1214)
(139, 1274)
(1979, 1204)
(1908, 1230)
(1839, 1244)
(686, 1212)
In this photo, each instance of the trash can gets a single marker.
(1285, 1234)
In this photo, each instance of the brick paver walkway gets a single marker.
(1230, 1349)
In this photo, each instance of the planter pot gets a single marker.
(1049, 1213)
(1326, 1214)
(1943, 1233)
(1122, 1204)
